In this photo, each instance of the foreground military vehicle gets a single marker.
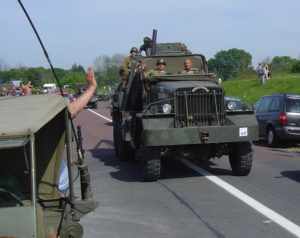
(93, 102)
(179, 115)
(34, 132)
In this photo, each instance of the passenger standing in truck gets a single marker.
(126, 67)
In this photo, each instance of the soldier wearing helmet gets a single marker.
(126, 67)
(160, 70)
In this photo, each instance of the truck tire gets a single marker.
(125, 152)
(272, 139)
(115, 134)
(151, 164)
(240, 158)
(94, 105)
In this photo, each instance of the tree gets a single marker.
(34, 75)
(230, 63)
(296, 67)
(282, 63)
(12, 74)
(77, 68)
(107, 69)
(72, 79)
(3, 65)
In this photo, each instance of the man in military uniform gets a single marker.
(185, 50)
(160, 70)
(126, 67)
(188, 69)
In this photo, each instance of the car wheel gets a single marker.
(151, 164)
(272, 140)
(240, 158)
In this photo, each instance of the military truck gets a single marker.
(93, 102)
(179, 115)
(34, 133)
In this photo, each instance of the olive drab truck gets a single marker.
(35, 132)
(179, 115)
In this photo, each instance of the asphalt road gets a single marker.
(202, 201)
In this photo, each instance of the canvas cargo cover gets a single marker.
(23, 116)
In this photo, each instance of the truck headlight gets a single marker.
(167, 108)
(231, 105)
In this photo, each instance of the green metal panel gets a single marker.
(18, 222)
(155, 135)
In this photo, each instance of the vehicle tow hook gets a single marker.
(204, 135)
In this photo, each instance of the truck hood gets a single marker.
(173, 85)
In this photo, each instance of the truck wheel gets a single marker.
(272, 139)
(125, 152)
(95, 105)
(151, 164)
(240, 158)
(115, 134)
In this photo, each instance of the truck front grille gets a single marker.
(203, 106)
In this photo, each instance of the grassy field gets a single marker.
(250, 89)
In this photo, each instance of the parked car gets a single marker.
(67, 95)
(278, 116)
(234, 104)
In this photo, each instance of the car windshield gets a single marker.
(293, 105)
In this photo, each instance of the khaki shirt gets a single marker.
(125, 68)
(155, 72)
(125, 71)
(191, 71)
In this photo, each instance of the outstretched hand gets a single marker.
(90, 77)
(26, 88)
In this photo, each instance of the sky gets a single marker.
(78, 32)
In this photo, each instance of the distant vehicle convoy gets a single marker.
(278, 116)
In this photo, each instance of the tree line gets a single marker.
(231, 63)
(226, 63)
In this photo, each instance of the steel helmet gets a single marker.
(160, 61)
(134, 49)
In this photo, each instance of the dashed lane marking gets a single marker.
(269, 213)
(274, 216)
(100, 115)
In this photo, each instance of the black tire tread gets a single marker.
(240, 158)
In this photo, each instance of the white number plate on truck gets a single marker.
(244, 131)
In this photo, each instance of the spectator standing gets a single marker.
(261, 73)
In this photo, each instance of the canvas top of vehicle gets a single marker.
(34, 132)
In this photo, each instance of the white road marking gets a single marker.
(269, 213)
(274, 216)
(100, 115)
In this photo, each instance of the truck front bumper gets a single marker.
(240, 128)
